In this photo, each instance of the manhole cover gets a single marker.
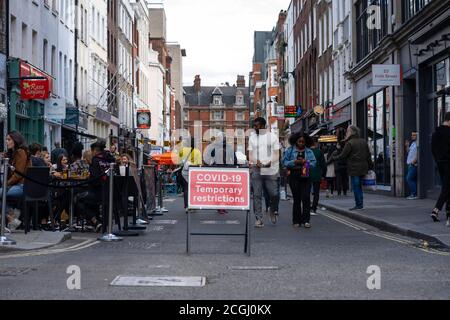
(127, 281)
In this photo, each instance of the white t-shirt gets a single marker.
(263, 147)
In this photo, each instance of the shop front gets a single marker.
(26, 114)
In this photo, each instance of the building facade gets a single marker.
(220, 110)
(41, 41)
(3, 74)
(413, 35)
(176, 75)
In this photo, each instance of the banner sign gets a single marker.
(219, 188)
(42, 87)
(55, 109)
(34, 89)
(72, 116)
(386, 75)
(144, 119)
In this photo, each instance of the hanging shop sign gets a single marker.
(386, 75)
(280, 112)
(34, 88)
(144, 118)
(293, 111)
(72, 116)
(55, 109)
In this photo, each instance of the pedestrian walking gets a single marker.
(317, 173)
(299, 159)
(411, 162)
(190, 156)
(340, 168)
(264, 161)
(357, 154)
(220, 154)
(440, 146)
(330, 174)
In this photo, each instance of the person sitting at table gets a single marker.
(35, 155)
(17, 153)
(46, 157)
(78, 165)
(101, 160)
(61, 166)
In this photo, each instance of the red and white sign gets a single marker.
(219, 188)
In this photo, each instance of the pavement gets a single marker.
(35, 240)
(409, 218)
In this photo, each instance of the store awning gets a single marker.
(82, 134)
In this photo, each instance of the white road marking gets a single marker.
(158, 281)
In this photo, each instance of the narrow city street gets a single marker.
(330, 261)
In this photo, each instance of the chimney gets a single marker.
(197, 83)
(240, 83)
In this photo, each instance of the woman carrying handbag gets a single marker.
(299, 159)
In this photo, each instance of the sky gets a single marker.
(218, 35)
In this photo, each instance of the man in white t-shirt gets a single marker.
(264, 159)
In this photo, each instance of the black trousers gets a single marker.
(341, 182)
(316, 195)
(330, 182)
(301, 191)
(444, 197)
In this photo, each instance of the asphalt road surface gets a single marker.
(330, 261)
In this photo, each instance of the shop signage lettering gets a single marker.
(34, 89)
(386, 75)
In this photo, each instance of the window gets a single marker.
(239, 100)
(217, 100)
(369, 39)
(442, 75)
(24, 39)
(53, 62)
(218, 115)
(44, 55)
(240, 116)
(34, 48)
(411, 7)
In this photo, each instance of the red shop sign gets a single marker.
(34, 89)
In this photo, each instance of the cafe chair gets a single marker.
(33, 192)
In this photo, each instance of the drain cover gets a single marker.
(127, 281)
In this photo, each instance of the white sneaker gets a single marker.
(259, 224)
(7, 230)
(412, 198)
(14, 224)
(313, 213)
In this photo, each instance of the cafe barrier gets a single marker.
(218, 188)
(110, 237)
(4, 241)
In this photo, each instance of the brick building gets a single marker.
(214, 110)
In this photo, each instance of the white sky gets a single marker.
(218, 35)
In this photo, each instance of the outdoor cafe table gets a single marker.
(70, 183)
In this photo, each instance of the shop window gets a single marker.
(378, 134)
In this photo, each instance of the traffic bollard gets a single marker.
(110, 237)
